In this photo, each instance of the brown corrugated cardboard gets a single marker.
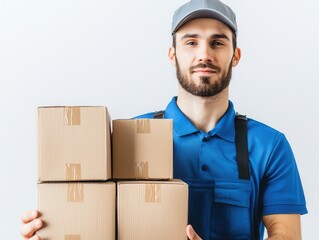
(154, 210)
(74, 144)
(81, 211)
(142, 149)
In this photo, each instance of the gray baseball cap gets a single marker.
(204, 9)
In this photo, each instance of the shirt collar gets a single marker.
(181, 124)
(225, 127)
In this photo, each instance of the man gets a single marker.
(242, 174)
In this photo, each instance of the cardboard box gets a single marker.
(74, 144)
(77, 211)
(142, 149)
(154, 210)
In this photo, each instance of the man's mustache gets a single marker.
(206, 65)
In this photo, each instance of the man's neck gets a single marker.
(203, 112)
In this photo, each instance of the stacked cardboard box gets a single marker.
(74, 162)
(152, 210)
(77, 211)
(142, 149)
(74, 144)
(147, 209)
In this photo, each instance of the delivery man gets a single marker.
(242, 174)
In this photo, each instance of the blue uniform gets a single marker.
(222, 206)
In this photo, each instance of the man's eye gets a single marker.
(216, 43)
(191, 43)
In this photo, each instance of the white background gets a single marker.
(114, 53)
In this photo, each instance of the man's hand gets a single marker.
(31, 224)
(191, 234)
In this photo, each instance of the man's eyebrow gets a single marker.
(224, 36)
(188, 35)
(213, 36)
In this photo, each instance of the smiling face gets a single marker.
(204, 57)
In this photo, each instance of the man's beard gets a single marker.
(205, 88)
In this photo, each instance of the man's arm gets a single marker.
(283, 226)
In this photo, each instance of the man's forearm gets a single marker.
(283, 227)
(283, 237)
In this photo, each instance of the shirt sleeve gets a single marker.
(282, 191)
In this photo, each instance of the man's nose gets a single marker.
(204, 53)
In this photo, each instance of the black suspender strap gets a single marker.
(242, 146)
(159, 114)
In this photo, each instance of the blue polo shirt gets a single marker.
(222, 206)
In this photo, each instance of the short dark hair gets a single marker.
(234, 38)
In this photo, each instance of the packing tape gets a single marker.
(141, 170)
(72, 237)
(72, 171)
(72, 116)
(142, 125)
(152, 193)
(75, 192)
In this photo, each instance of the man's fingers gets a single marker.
(191, 234)
(34, 238)
(28, 229)
(28, 216)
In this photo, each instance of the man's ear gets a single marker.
(171, 55)
(236, 57)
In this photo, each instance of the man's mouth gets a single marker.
(204, 71)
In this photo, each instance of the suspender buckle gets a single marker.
(159, 114)
(241, 117)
